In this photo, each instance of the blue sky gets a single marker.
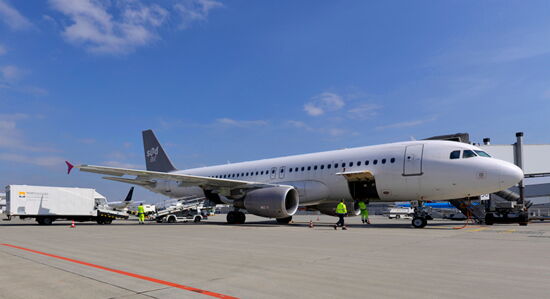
(236, 80)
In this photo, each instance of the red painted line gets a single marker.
(163, 282)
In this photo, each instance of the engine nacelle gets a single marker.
(272, 202)
(330, 208)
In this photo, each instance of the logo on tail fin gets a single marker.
(152, 154)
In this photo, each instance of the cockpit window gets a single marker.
(468, 154)
(455, 155)
(482, 154)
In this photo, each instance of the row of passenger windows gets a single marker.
(468, 154)
(304, 168)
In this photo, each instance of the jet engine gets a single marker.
(330, 208)
(272, 202)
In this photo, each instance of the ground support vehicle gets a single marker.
(49, 204)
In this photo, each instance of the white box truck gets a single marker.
(48, 204)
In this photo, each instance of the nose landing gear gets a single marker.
(421, 216)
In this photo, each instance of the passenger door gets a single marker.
(412, 164)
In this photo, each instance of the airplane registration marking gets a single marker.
(138, 276)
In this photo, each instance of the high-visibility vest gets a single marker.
(341, 208)
(362, 205)
(141, 210)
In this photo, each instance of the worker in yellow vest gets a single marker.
(141, 214)
(341, 212)
(364, 212)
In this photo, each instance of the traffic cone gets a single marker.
(72, 225)
(310, 224)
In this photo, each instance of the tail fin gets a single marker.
(129, 196)
(155, 157)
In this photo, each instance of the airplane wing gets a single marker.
(146, 177)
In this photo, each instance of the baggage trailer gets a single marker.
(48, 204)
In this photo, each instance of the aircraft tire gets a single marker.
(47, 220)
(241, 217)
(419, 222)
(285, 220)
(232, 217)
(197, 219)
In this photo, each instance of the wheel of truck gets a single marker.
(40, 221)
(523, 219)
(171, 219)
(100, 221)
(489, 219)
(107, 221)
(47, 220)
(197, 219)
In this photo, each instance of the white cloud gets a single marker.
(364, 111)
(3, 50)
(11, 73)
(12, 17)
(119, 27)
(335, 132)
(122, 165)
(40, 161)
(12, 138)
(241, 123)
(87, 140)
(195, 10)
(102, 32)
(406, 124)
(324, 102)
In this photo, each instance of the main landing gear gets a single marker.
(236, 217)
(285, 220)
(421, 216)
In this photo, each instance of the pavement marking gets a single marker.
(509, 231)
(478, 229)
(163, 282)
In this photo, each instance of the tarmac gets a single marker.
(261, 259)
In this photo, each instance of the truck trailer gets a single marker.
(48, 204)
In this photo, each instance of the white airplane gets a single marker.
(416, 171)
(122, 205)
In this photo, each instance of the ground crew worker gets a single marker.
(141, 214)
(364, 212)
(341, 212)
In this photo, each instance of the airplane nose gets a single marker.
(510, 175)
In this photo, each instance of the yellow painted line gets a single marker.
(478, 229)
(509, 231)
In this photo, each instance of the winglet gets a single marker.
(69, 166)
